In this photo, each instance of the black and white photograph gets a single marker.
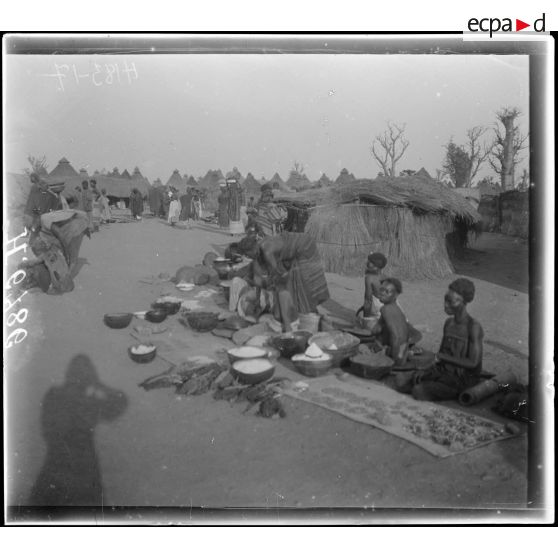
(295, 276)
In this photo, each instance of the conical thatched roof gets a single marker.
(125, 174)
(63, 169)
(423, 173)
(175, 180)
(235, 173)
(251, 186)
(325, 181)
(115, 173)
(345, 177)
(298, 181)
(211, 179)
(191, 181)
(276, 179)
(137, 173)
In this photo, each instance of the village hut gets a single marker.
(298, 181)
(209, 187)
(137, 173)
(345, 177)
(324, 181)
(423, 173)
(191, 181)
(277, 183)
(236, 174)
(417, 223)
(252, 187)
(125, 174)
(63, 168)
(176, 181)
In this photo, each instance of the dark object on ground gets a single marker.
(290, 344)
(514, 403)
(155, 316)
(271, 406)
(199, 383)
(118, 321)
(367, 367)
(202, 321)
(178, 375)
(142, 358)
(235, 323)
(169, 308)
(221, 332)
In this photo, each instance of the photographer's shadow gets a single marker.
(71, 474)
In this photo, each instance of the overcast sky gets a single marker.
(256, 112)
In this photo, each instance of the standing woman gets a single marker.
(105, 207)
(235, 226)
(186, 207)
(136, 204)
(223, 201)
(197, 205)
(174, 210)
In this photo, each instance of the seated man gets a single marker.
(459, 361)
(392, 328)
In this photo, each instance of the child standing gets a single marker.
(373, 278)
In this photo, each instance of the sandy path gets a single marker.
(167, 450)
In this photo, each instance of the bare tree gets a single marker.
(509, 141)
(37, 165)
(478, 153)
(388, 147)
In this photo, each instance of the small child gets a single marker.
(372, 284)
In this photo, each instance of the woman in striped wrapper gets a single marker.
(289, 264)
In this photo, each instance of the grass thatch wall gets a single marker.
(414, 244)
(413, 220)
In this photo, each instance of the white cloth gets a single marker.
(174, 211)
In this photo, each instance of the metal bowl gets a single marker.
(119, 320)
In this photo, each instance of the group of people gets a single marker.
(286, 279)
(458, 362)
(188, 207)
(93, 202)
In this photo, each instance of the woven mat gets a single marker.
(415, 421)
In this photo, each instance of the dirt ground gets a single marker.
(159, 449)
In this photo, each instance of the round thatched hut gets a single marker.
(416, 222)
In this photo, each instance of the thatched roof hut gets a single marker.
(414, 221)
(325, 181)
(125, 174)
(252, 187)
(281, 184)
(345, 177)
(63, 168)
(191, 181)
(175, 180)
(236, 174)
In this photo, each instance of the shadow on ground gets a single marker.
(71, 473)
(498, 259)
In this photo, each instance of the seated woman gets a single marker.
(459, 361)
(290, 266)
(392, 329)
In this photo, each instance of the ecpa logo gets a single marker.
(496, 25)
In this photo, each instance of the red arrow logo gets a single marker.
(519, 25)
